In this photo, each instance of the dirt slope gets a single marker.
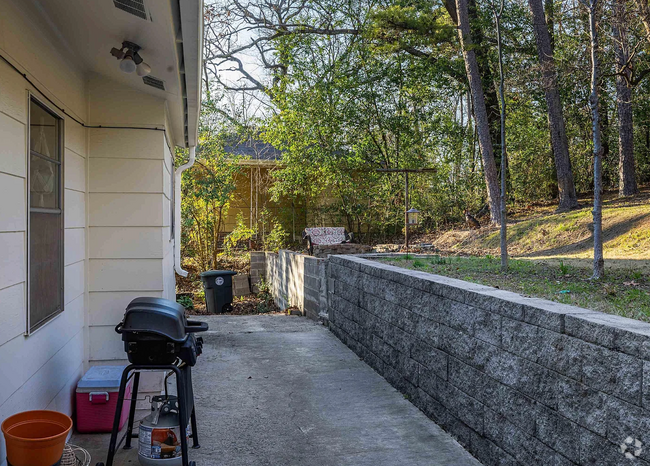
(540, 233)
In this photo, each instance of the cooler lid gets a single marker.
(106, 378)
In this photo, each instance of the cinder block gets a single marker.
(398, 339)
(348, 293)
(595, 449)
(625, 420)
(525, 448)
(613, 332)
(431, 358)
(612, 372)
(240, 285)
(583, 405)
(488, 452)
(559, 433)
(473, 382)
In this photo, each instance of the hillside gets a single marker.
(541, 234)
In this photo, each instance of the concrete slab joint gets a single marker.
(516, 380)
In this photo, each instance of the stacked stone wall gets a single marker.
(518, 381)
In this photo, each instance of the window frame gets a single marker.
(33, 99)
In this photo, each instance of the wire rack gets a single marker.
(75, 456)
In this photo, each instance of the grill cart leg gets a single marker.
(134, 398)
(195, 435)
(116, 419)
(182, 412)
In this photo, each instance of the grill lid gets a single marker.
(159, 317)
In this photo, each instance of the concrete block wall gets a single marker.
(518, 381)
(295, 280)
(258, 270)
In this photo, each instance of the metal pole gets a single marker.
(406, 208)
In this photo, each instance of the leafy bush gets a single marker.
(266, 303)
(277, 238)
(240, 233)
(186, 302)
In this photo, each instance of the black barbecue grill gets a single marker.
(155, 331)
(157, 336)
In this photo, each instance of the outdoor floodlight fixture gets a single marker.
(412, 216)
(130, 59)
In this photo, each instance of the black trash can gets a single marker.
(218, 290)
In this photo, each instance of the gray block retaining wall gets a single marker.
(518, 381)
(295, 279)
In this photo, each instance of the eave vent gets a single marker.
(134, 7)
(154, 82)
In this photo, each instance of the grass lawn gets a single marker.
(623, 292)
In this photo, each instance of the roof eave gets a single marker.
(190, 42)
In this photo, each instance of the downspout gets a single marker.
(177, 212)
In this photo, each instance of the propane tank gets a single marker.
(159, 441)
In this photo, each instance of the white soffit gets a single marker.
(170, 36)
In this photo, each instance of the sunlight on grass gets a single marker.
(623, 292)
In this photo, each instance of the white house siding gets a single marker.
(39, 371)
(129, 211)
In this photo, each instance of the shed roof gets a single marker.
(252, 149)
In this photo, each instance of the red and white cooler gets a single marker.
(97, 393)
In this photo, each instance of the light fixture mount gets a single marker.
(130, 59)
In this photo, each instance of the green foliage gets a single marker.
(393, 93)
(438, 260)
(186, 302)
(276, 239)
(207, 190)
(241, 233)
(266, 303)
(564, 269)
(613, 294)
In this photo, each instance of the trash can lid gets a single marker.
(218, 273)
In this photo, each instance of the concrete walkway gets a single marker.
(277, 390)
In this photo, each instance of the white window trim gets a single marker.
(31, 96)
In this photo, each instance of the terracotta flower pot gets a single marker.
(36, 438)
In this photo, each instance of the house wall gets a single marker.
(130, 202)
(39, 371)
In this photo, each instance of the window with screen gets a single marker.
(45, 229)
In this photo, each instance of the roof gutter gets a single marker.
(177, 212)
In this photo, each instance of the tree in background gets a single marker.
(206, 196)
(599, 262)
(566, 189)
(344, 88)
(624, 83)
(498, 15)
(480, 110)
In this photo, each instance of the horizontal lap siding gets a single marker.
(39, 371)
(515, 380)
(130, 244)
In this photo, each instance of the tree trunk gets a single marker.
(599, 261)
(504, 230)
(626, 173)
(566, 188)
(480, 111)
(490, 91)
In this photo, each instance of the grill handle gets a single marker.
(195, 326)
(118, 327)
